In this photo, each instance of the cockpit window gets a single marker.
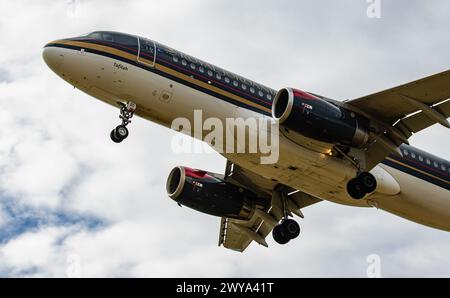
(119, 38)
(95, 35)
(126, 40)
(108, 37)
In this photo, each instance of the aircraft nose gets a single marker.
(53, 57)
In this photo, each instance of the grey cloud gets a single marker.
(5, 76)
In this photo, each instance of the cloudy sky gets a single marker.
(74, 203)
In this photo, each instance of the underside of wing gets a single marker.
(238, 234)
(397, 103)
(422, 120)
(397, 113)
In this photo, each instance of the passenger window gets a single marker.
(260, 93)
(218, 76)
(443, 168)
(184, 62)
(406, 152)
(175, 59)
(193, 65)
(244, 87)
(227, 80)
(428, 161)
(269, 97)
(420, 158)
(413, 155)
(235, 83)
(201, 69)
(210, 73)
(252, 90)
(436, 165)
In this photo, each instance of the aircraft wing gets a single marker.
(238, 234)
(397, 113)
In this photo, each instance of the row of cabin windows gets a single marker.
(147, 47)
(426, 160)
(219, 76)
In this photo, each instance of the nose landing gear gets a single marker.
(120, 133)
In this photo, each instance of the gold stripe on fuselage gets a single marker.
(165, 69)
(416, 169)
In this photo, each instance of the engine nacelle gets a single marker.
(316, 118)
(205, 192)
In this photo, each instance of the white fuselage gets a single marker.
(161, 100)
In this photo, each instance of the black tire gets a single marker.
(291, 228)
(355, 189)
(113, 137)
(279, 235)
(368, 182)
(121, 132)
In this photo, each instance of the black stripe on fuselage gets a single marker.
(164, 74)
(165, 57)
(406, 165)
(413, 172)
(422, 165)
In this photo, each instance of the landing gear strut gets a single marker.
(120, 133)
(363, 184)
(288, 228)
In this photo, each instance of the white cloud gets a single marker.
(151, 247)
(55, 150)
(34, 250)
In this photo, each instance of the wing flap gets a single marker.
(420, 121)
(389, 105)
(395, 114)
(234, 235)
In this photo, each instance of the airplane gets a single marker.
(354, 152)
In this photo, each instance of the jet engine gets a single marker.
(208, 193)
(314, 117)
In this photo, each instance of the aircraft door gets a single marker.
(147, 52)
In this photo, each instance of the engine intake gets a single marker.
(207, 193)
(319, 119)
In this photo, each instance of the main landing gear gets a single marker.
(363, 184)
(288, 228)
(120, 133)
